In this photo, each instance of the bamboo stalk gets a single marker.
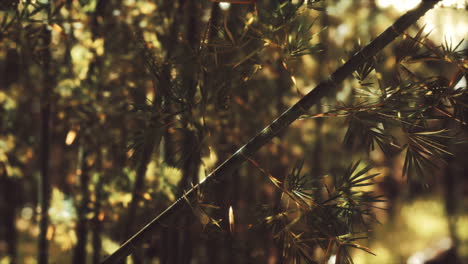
(44, 147)
(321, 90)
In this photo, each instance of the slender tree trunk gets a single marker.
(212, 245)
(190, 143)
(69, 41)
(11, 233)
(96, 222)
(152, 137)
(10, 200)
(97, 64)
(45, 147)
(138, 187)
(10, 187)
(79, 256)
(168, 249)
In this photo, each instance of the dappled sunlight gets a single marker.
(425, 218)
(419, 233)
(399, 5)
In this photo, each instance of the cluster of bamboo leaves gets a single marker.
(330, 211)
(410, 114)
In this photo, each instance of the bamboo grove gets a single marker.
(186, 132)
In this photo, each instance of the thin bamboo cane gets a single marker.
(321, 90)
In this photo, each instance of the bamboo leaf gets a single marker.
(364, 178)
(361, 172)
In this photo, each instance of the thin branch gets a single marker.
(326, 87)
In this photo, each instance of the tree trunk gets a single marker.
(10, 190)
(190, 154)
(44, 198)
(79, 256)
(96, 222)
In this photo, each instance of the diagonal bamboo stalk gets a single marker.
(321, 90)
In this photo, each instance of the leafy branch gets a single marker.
(308, 216)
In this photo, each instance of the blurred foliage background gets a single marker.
(111, 109)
